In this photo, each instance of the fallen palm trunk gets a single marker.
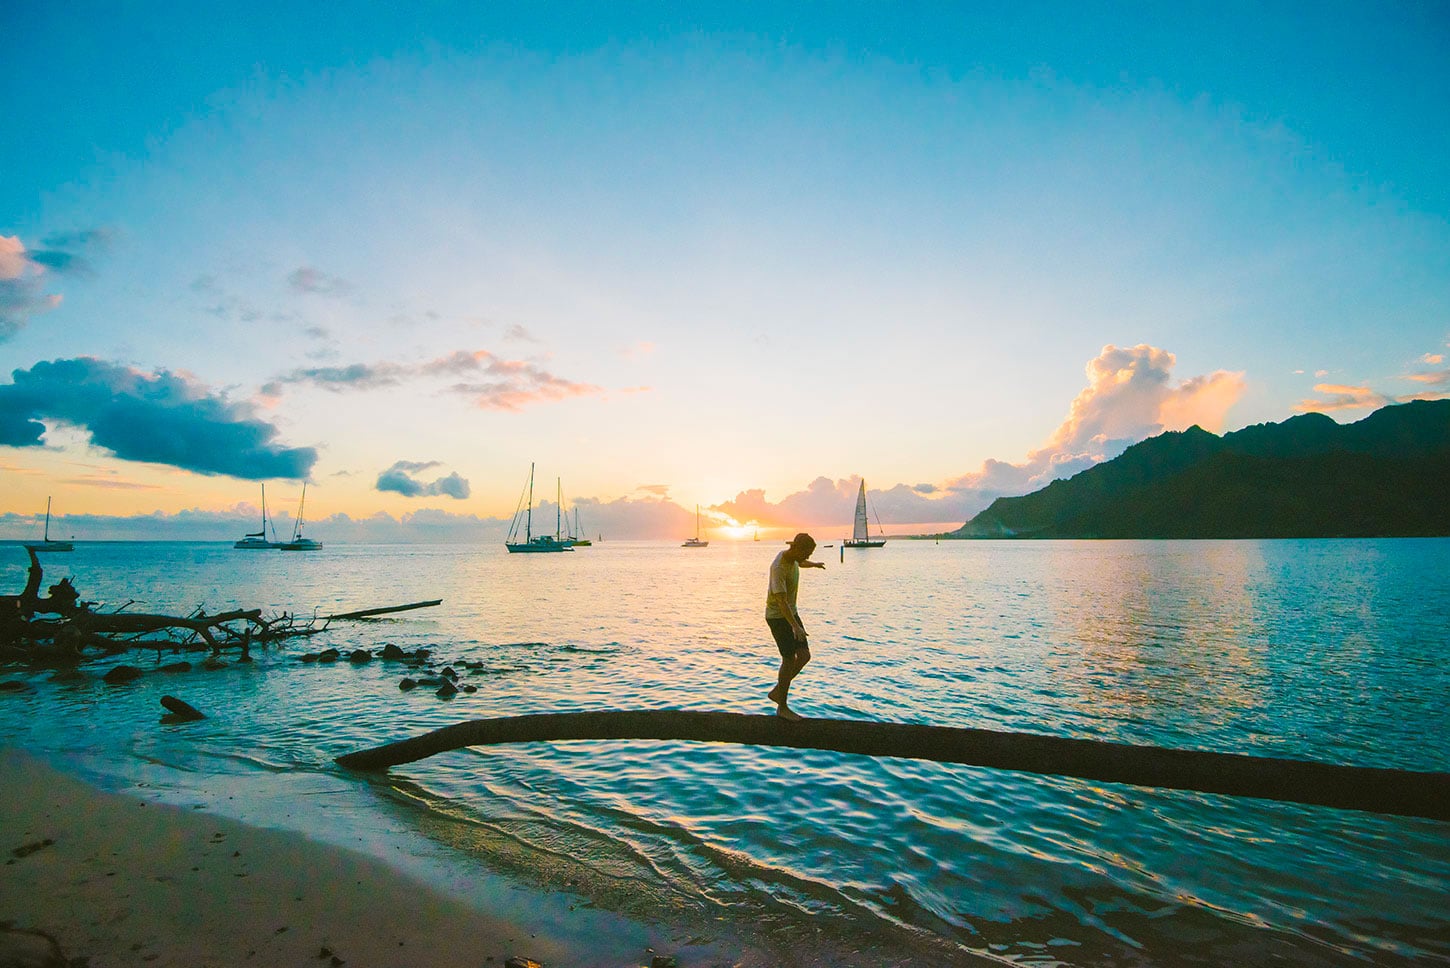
(1399, 792)
(388, 610)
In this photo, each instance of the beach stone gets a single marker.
(407, 684)
(421, 654)
(359, 656)
(448, 673)
(122, 673)
(391, 651)
(663, 961)
(447, 691)
(13, 685)
(309, 657)
(176, 667)
(328, 655)
(470, 689)
(517, 962)
(30, 949)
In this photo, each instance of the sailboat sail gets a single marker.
(861, 530)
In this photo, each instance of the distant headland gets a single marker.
(1387, 475)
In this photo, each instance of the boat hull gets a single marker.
(537, 547)
(306, 544)
(50, 546)
(864, 543)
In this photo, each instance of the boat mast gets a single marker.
(297, 531)
(558, 508)
(47, 519)
(529, 520)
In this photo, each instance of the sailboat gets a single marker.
(861, 531)
(532, 543)
(258, 541)
(47, 543)
(580, 541)
(695, 542)
(299, 543)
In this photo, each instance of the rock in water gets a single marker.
(180, 710)
(122, 673)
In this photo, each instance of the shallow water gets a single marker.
(1327, 650)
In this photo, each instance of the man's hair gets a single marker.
(803, 540)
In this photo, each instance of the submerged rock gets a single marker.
(176, 667)
(407, 684)
(359, 656)
(122, 673)
(328, 655)
(391, 651)
(447, 691)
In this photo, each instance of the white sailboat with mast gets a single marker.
(861, 530)
(48, 543)
(535, 543)
(258, 541)
(695, 542)
(299, 543)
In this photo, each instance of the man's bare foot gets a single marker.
(788, 714)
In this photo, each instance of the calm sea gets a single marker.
(1327, 650)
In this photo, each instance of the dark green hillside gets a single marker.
(1387, 475)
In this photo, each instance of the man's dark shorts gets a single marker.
(785, 639)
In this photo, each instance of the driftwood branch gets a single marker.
(1399, 792)
(388, 610)
(58, 628)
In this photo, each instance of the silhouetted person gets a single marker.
(785, 621)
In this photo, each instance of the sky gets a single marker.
(740, 256)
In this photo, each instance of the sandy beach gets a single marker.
(118, 881)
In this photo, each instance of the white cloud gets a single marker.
(1130, 396)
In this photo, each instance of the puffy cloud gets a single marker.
(1341, 397)
(399, 479)
(1434, 378)
(155, 418)
(1434, 359)
(1130, 396)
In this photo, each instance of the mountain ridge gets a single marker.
(1387, 475)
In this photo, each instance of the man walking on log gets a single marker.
(783, 619)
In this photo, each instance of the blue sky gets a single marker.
(731, 255)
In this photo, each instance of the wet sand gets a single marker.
(120, 882)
